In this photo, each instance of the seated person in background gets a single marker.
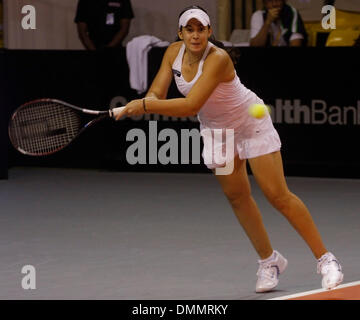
(357, 42)
(103, 23)
(279, 24)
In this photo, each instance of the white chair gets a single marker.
(342, 38)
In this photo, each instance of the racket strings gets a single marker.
(44, 127)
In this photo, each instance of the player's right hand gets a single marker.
(119, 112)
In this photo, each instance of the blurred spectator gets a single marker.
(103, 23)
(357, 42)
(279, 24)
(102, 26)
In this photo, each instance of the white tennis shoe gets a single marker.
(329, 267)
(269, 271)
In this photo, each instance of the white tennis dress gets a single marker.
(227, 108)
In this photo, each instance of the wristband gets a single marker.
(144, 106)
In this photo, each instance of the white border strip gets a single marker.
(302, 294)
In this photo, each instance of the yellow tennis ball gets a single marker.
(258, 110)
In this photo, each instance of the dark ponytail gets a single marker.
(232, 53)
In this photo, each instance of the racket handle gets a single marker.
(114, 112)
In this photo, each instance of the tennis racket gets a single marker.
(45, 126)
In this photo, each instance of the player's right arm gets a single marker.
(161, 83)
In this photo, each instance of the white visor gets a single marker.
(194, 13)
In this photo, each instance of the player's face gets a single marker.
(195, 35)
(274, 4)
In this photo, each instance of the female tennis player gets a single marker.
(205, 75)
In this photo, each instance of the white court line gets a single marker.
(301, 294)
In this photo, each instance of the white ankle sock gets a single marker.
(271, 258)
(324, 256)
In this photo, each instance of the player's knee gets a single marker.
(281, 201)
(237, 196)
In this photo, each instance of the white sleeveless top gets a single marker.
(227, 106)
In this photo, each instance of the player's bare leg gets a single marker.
(268, 171)
(237, 189)
(269, 174)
